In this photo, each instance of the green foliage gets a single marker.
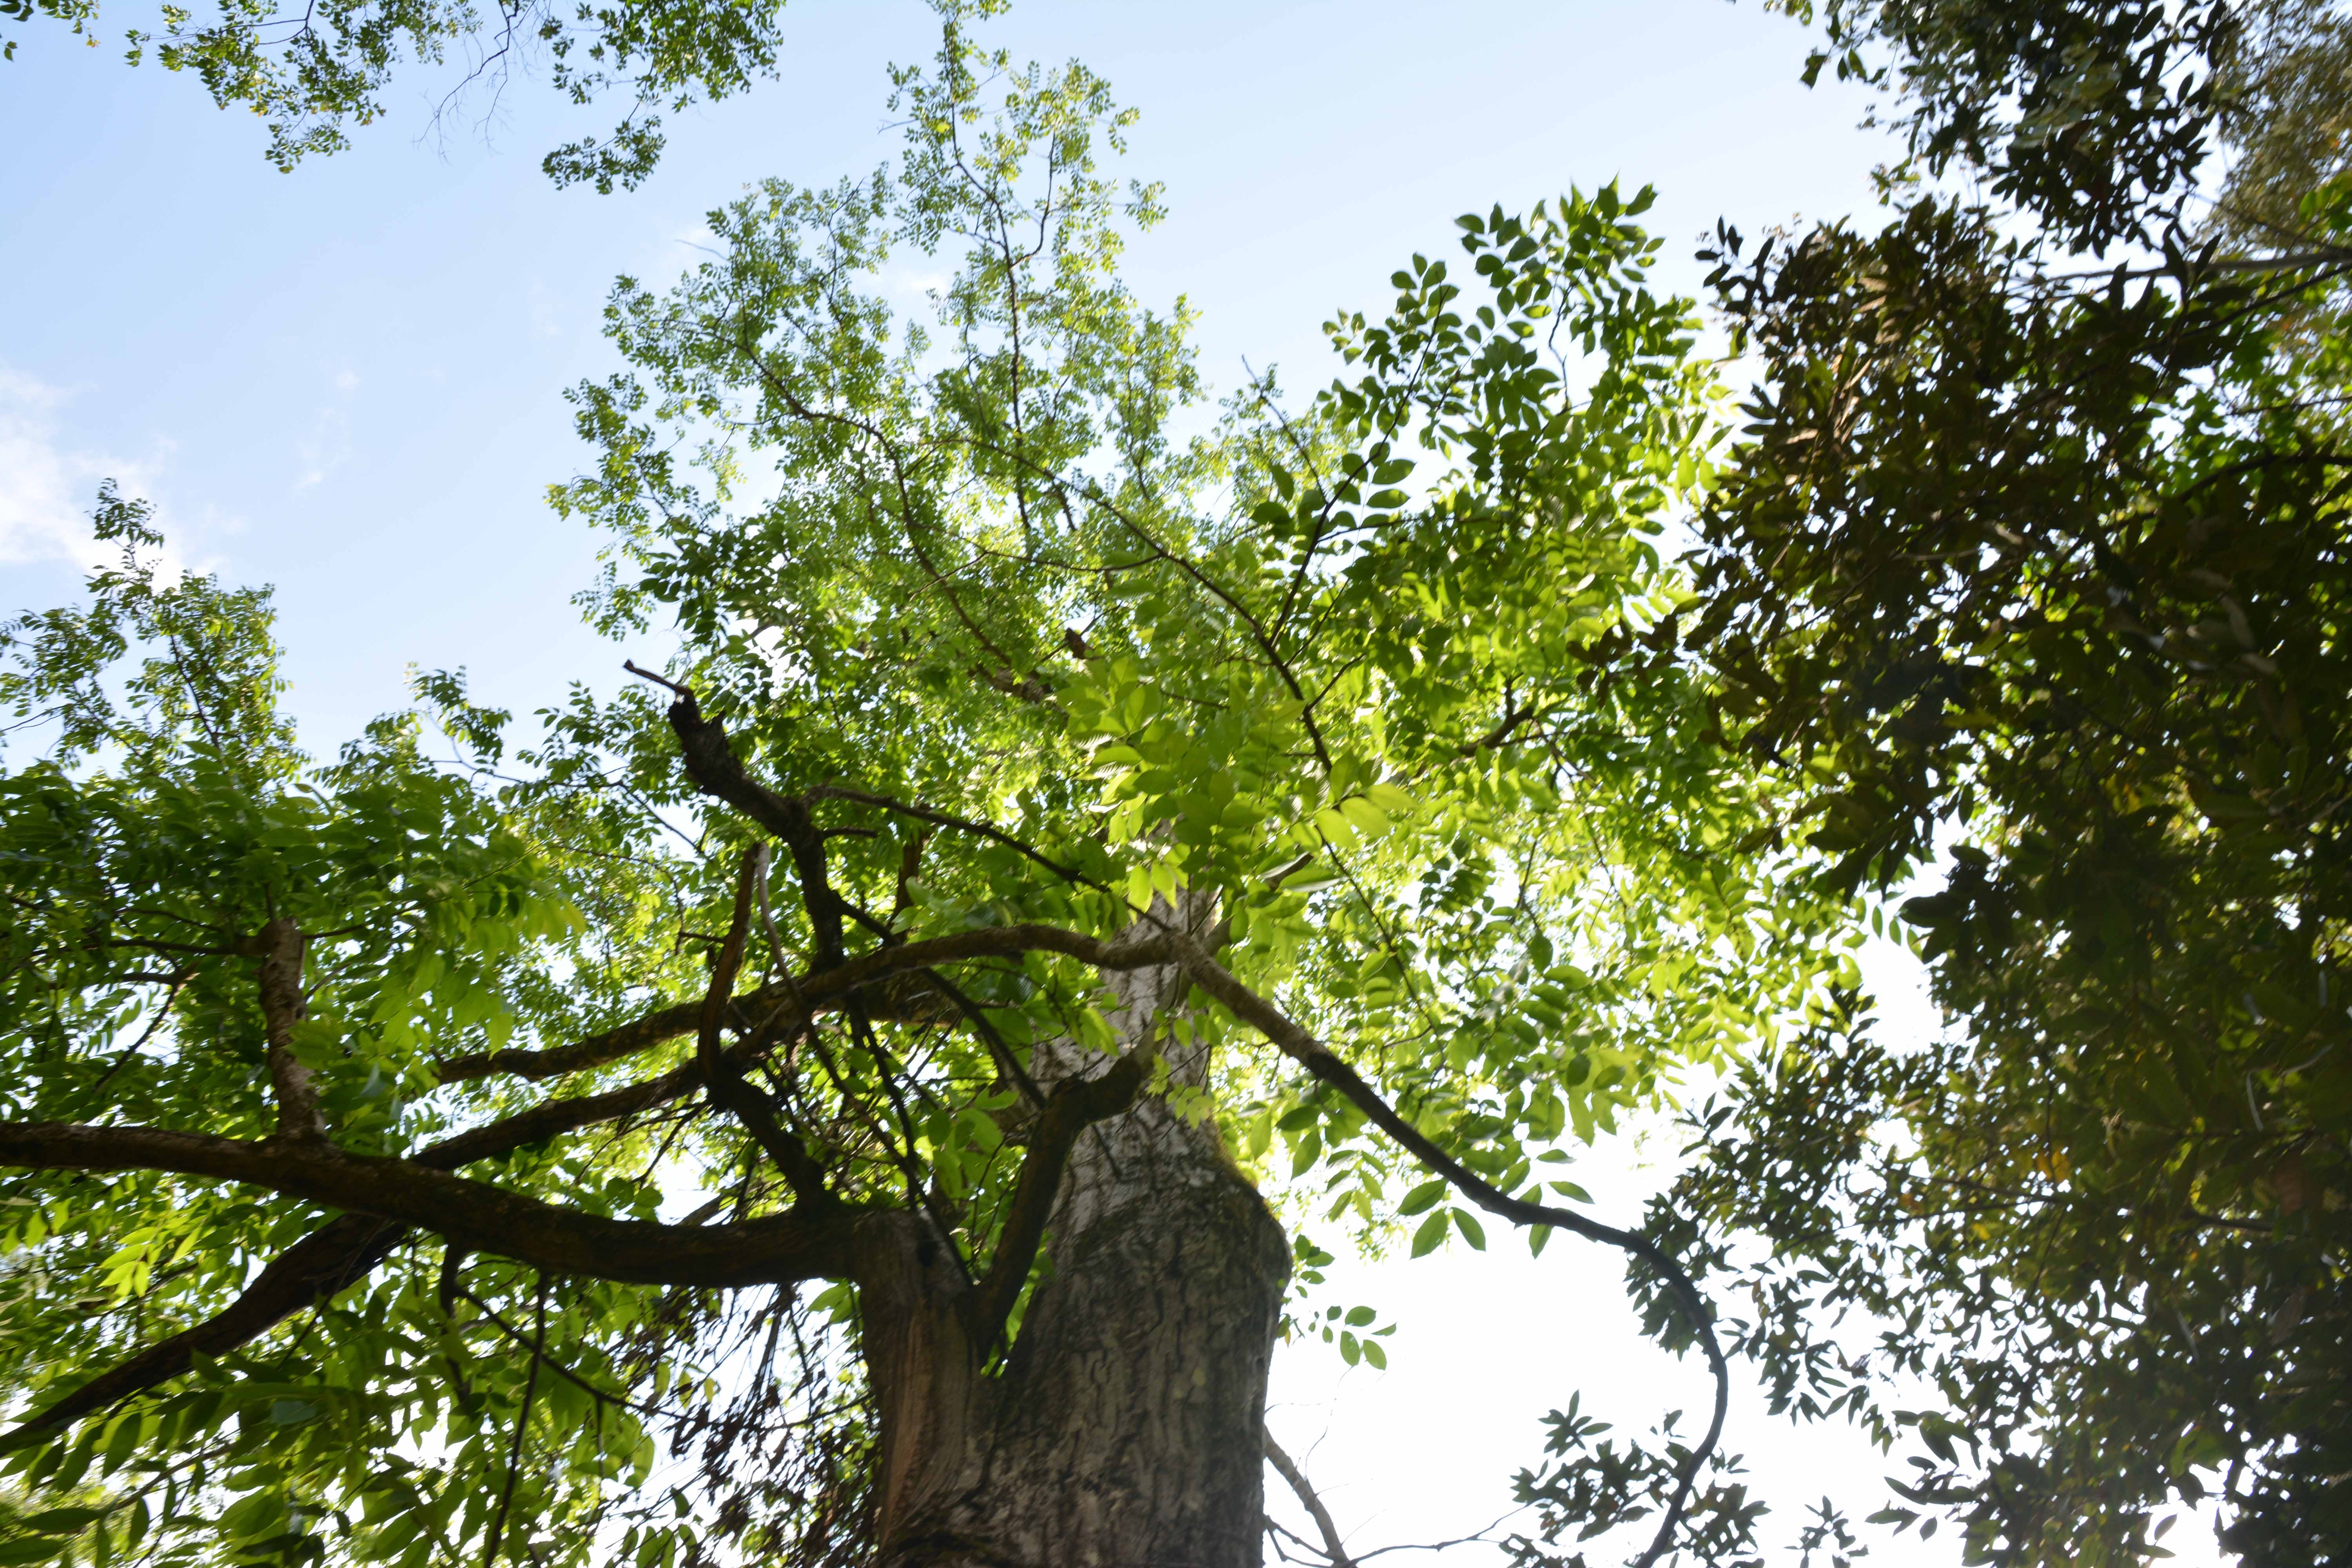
(2284, 94)
(1027, 632)
(1589, 1489)
(2092, 115)
(2032, 578)
(1408, 739)
(2041, 578)
(314, 75)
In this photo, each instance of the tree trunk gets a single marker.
(1124, 1428)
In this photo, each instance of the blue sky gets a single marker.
(348, 381)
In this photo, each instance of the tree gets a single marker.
(314, 75)
(2034, 558)
(1063, 807)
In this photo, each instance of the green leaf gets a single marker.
(1421, 1197)
(1432, 1232)
(1471, 1232)
(61, 1521)
(252, 1514)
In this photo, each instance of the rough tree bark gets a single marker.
(1124, 1428)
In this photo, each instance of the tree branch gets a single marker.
(1074, 1105)
(348, 1247)
(1310, 1053)
(1333, 1546)
(475, 1216)
(639, 1033)
(909, 998)
(963, 824)
(716, 771)
(720, 1079)
(278, 945)
(323, 1262)
(340, 1253)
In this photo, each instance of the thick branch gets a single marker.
(348, 1247)
(554, 1118)
(962, 824)
(889, 983)
(637, 1034)
(908, 998)
(475, 1216)
(278, 945)
(720, 1079)
(716, 771)
(342, 1252)
(987, 941)
(1074, 1105)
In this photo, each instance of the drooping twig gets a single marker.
(962, 824)
(1333, 1546)
(522, 1427)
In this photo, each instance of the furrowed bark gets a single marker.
(1076, 1105)
(1125, 1425)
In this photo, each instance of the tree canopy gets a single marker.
(2034, 557)
(345, 1099)
(312, 76)
(671, 1137)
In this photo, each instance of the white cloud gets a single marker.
(327, 449)
(45, 490)
(546, 317)
(48, 486)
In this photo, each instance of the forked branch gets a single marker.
(1074, 1105)
(721, 1081)
(1333, 1546)
(717, 771)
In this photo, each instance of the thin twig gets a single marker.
(522, 1425)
